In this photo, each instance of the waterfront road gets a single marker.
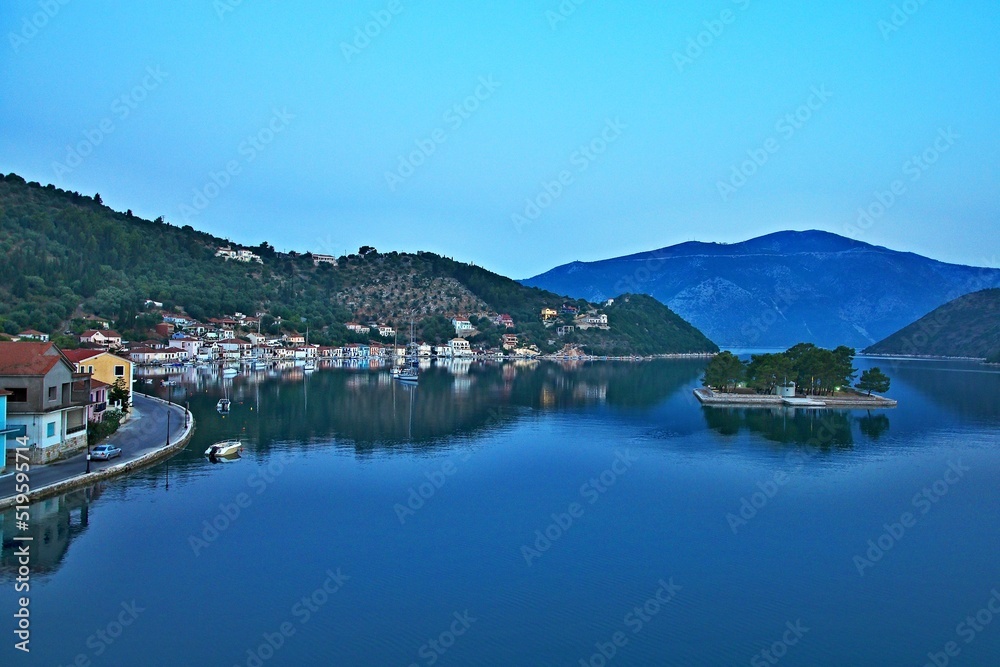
(144, 432)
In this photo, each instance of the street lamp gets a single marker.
(88, 458)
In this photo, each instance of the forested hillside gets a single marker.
(968, 326)
(67, 254)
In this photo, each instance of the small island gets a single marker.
(803, 376)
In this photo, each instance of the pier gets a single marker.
(708, 396)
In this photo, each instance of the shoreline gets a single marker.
(920, 357)
(86, 479)
(715, 399)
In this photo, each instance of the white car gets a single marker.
(105, 452)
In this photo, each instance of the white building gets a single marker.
(459, 347)
(190, 346)
(461, 325)
(238, 255)
(324, 259)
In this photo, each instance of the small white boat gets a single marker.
(223, 405)
(408, 376)
(230, 372)
(224, 448)
(309, 367)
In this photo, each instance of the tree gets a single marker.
(97, 198)
(873, 380)
(765, 371)
(725, 370)
(119, 394)
(843, 371)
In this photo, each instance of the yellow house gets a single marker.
(549, 313)
(103, 366)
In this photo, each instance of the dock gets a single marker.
(707, 396)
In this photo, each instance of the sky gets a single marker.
(516, 135)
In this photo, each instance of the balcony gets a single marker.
(100, 407)
(80, 392)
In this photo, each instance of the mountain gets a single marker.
(67, 255)
(780, 289)
(968, 326)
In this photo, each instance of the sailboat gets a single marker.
(410, 374)
(394, 371)
(224, 403)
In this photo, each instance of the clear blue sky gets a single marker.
(329, 122)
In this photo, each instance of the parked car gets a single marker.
(105, 452)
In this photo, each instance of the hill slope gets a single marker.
(780, 289)
(969, 326)
(66, 253)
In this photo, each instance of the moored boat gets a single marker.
(225, 448)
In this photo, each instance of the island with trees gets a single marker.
(804, 375)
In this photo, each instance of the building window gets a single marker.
(52, 393)
(17, 395)
(119, 371)
(50, 429)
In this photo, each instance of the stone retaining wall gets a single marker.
(86, 479)
(710, 397)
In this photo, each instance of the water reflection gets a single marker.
(823, 428)
(53, 525)
(358, 404)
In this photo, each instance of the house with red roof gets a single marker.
(48, 397)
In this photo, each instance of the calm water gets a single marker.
(379, 525)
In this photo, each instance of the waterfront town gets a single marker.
(57, 399)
